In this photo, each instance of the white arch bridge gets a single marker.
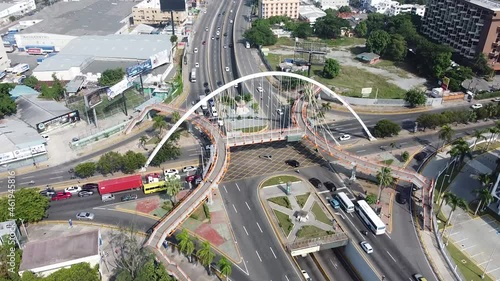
(303, 120)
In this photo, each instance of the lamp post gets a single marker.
(489, 260)
(440, 191)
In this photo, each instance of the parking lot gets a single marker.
(248, 161)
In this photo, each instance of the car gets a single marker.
(90, 186)
(217, 33)
(206, 28)
(279, 111)
(75, 139)
(419, 277)
(225, 46)
(196, 65)
(214, 112)
(129, 197)
(190, 178)
(211, 102)
(49, 192)
(205, 11)
(207, 91)
(230, 21)
(227, 68)
(231, 45)
(306, 276)
(292, 162)
(61, 196)
(205, 84)
(85, 216)
(189, 169)
(217, 37)
(171, 172)
(213, 38)
(400, 198)
(260, 89)
(330, 186)
(73, 189)
(204, 42)
(366, 247)
(195, 50)
(218, 27)
(85, 193)
(496, 99)
(335, 203)
(345, 137)
(219, 84)
(45, 137)
(420, 156)
(225, 34)
(316, 182)
(266, 156)
(476, 106)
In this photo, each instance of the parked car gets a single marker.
(366, 247)
(345, 137)
(90, 186)
(189, 168)
(61, 196)
(267, 156)
(73, 189)
(129, 197)
(476, 106)
(420, 156)
(496, 99)
(260, 89)
(400, 198)
(171, 172)
(279, 111)
(292, 162)
(85, 216)
(330, 186)
(85, 193)
(316, 182)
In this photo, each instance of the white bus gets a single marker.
(345, 202)
(370, 218)
(193, 75)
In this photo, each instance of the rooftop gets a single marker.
(74, 85)
(153, 4)
(367, 56)
(89, 17)
(15, 134)
(493, 5)
(34, 110)
(310, 11)
(41, 253)
(22, 90)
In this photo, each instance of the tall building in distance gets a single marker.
(470, 27)
(149, 12)
(289, 8)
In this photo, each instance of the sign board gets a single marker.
(160, 58)
(94, 98)
(139, 68)
(70, 117)
(21, 154)
(118, 88)
(34, 51)
(365, 92)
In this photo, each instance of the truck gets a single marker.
(193, 75)
(18, 69)
(204, 105)
(120, 184)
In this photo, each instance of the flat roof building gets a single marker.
(333, 4)
(15, 8)
(149, 12)
(289, 8)
(310, 13)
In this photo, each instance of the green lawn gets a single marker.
(468, 268)
(280, 180)
(282, 201)
(302, 199)
(284, 222)
(309, 231)
(320, 215)
(388, 162)
(253, 129)
(397, 68)
(341, 42)
(199, 214)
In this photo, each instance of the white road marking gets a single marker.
(388, 236)
(29, 177)
(238, 187)
(273, 253)
(334, 264)
(55, 178)
(391, 256)
(287, 278)
(324, 191)
(258, 255)
(248, 206)
(225, 188)
(235, 209)
(244, 228)
(359, 151)
(259, 227)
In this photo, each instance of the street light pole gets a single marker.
(440, 191)
(489, 260)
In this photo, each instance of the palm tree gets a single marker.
(186, 245)
(454, 202)
(174, 186)
(490, 109)
(175, 116)
(463, 149)
(142, 141)
(159, 123)
(446, 134)
(225, 267)
(206, 255)
(493, 131)
(443, 198)
(484, 196)
(326, 106)
(478, 134)
(484, 179)
(385, 179)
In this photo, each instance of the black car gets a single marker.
(294, 163)
(207, 91)
(90, 186)
(420, 156)
(85, 193)
(231, 45)
(330, 186)
(129, 197)
(219, 84)
(316, 182)
(49, 192)
(205, 84)
(400, 198)
(225, 34)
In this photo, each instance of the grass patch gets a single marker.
(199, 214)
(253, 129)
(275, 59)
(320, 215)
(397, 68)
(388, 162)
(284, 222)
(468, 268)
(309, 231)
(280, 180)
(344, 41)
(302, 199)
(482, 146)
(283, 41)
(282, 201)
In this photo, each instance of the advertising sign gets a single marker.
(160, 58)
(94, 98)
(22, 154)
(118, 88)
(139, 68)
(70, 117)
(34, 51)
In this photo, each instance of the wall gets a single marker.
(46, 39)
(65, 75)
(362, 266)
(381, 102)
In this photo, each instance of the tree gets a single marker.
(345, 9)
(12, 18)
(173, 40)
(85, 170)
(186, 245)
(7, 104)
(9, 271)
(303, 30)
(151, 271)
(168, 151)
(481, 65)
(29, 205)
(493, 133)
(331, 69)
(109, 163)
(445, 134)
(326, 106)
(159, 123)
(247, 97)
(478, 135)
(384, 179)
(31, 82)
(174, 186)
(176, 116)
(261, 35)
(77, 272)
(484, 196)
(415, 97)
(224, 267)
(371, 199)
(361, 29)
(132, 161)
(110, 77)
(378, 41)
(386, 128)
(405, 156)
(443, 198)
(457, 75)
(462, 149)
(329, 26)
(142, 141)
(56, 92)
(454, 202)
(397, 48)
(205, 254)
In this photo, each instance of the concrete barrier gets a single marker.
(364, 268)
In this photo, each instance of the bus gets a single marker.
(370, 218)
(346, 203)
(154, 187)
(193, 75)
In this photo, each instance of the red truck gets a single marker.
(120, 184)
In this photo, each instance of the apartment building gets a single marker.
(289, 8)
(393, 8)
(149, 12)
(333, 4)
(15, 8)
(470, 27)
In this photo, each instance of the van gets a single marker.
(306, 276)
(108, 197)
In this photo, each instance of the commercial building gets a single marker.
(149, 12)
(470, 27)
(44, 257)
(333, 4)
(15, 8)
(310, 13)
(4, 60)
(289, 8)
(393, 8)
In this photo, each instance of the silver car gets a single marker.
(85, 216)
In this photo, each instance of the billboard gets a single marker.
(23, 153)
(118, 88)
(70, 117)
(34, 51)
(172, 5)
(94, 98)
(139, 68)
(160, 58)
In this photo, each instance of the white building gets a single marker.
(393, 8)
(333, 4)
(310, 13)
(4, 60)
(44, 257)
(16, 8)
(43, 39)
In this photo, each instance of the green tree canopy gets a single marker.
(386, 128)
(7, 104)
(261, 34)
(31, 82)
(77, 272)
(170, 150)
(396, 50)
(110, 77)
(361, 29)
(331, 69)
(302, 30)
(378, 41)
(415, 97)
(110, 163)
(28, 205)
(132, 161)
(329, 26)
(457, 75)
(85, 170)
(345, 9)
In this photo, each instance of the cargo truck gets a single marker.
(204, 105)
(120, 184)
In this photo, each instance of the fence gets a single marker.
(99, 136)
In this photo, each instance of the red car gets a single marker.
(195, 179)
(61, 195)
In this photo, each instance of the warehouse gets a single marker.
(91, 55)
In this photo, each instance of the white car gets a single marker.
(230, 21)
(213, 38)
(214, 112)
(227, 68)
(306, 276)
(189, 169)
(225, 46)
(476, 106)
(196, 65)
(206, 28)
(73, 189)
(366, 247)
(345, 137)
(260, 89)
(496, 99)
(85, 216)
(217, 33)
(195, 50)
(279, 111)
(171, 173)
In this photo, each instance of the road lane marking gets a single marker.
(287, 278)
(225, 188)
(334, 264)
(235, 209)
(388, 236)
(259, 227)
(245, 230)
(391, 256)
(273, 253)
(247, 206)
(258, 256)
(238, 187)
(55, 178)
(359, 151)
(324, 191)
(29, 177)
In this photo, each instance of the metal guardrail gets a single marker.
(314, 242)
